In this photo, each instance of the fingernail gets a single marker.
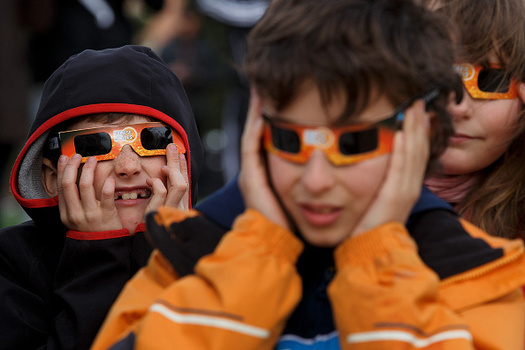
(76, 156)
(173, 147)
(91, 160)
(62, 159)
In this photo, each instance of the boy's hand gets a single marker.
(404, 177)
(253, 178)
(176, 193)
(79, 208)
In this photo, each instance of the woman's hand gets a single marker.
(404, 178)
(253, 177)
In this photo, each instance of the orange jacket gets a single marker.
(383, 296)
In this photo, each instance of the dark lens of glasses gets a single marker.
(93, 144)
(156, 138)
(358, 142)
(493, 80)
(285, 140)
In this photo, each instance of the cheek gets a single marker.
(360, 180)
(500, 117)
(153, 165)
(500, 125)
(364, 179)
(282, 173)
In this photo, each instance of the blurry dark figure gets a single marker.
(192, 57)
(61, 28)
(238, 16)
(14, 86)
(194, 62)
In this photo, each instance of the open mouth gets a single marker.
(321, 215)
(321, 210)
(134, 194)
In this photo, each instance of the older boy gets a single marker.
(114, 137)
(330, 252)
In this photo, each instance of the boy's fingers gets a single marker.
(86, 189)
(185, 202)
(417, 143)
(158, 196)
(62, 161)
(67, 186)
(177, 184)
(405, 173)
(251, 162)
(107, 197)
(183, 167)
(178, 193)
(172, 156)
(61, 166)
(415, 149)
(253, 177)
(250, 144)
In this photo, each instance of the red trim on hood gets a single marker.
(140, 228)
(102, 235)
(97, 236)
(85, 110)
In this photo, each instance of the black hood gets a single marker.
(130, 79)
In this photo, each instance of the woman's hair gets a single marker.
(486, 28)
(394, 47)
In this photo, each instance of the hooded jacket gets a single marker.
(57, 285)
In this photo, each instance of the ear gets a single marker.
(49, 177)
(521, 92)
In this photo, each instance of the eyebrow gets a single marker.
(276, 118)
(280, 119)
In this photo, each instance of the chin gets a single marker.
(130, 220)
(323, 241)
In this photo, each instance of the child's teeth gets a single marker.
(133, 195)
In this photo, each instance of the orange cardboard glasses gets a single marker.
(105, 143)
(487, 83)
(341, 145)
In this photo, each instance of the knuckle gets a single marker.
(74, 219)
(162, 191)
(107, 193)
(84, 185)
(181, 187)
(67, 183)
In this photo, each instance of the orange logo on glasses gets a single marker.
(125, 135)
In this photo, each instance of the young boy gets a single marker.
(114, 137)
(332, 251)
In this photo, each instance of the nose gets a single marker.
(318, 176)
(461, 110)
(127, 162)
